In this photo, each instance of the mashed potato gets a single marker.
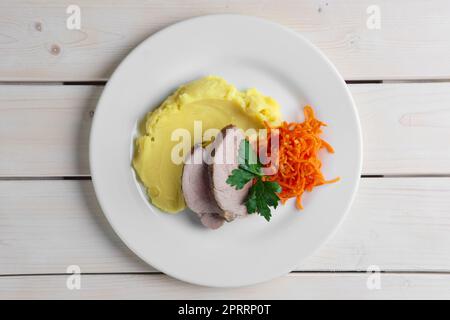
(210, 100)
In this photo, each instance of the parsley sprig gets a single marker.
(263, 194)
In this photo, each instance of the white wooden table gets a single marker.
(51, 78)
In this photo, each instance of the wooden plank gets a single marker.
(405, 127)
(35, 43)
(292, 286)
(44, 130)
(398, 224)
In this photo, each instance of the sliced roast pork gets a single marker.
(223, 160)
(197, 192)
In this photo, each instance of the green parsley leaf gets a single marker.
(239, 178)
(262, 194)
(261, 197)
(248, 159)
(250, 203)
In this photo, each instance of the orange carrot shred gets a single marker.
(298, 162)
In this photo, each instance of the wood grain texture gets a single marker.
(405, 127)
(36, 45)
(44, 130)
(292, 286)
(398, 224)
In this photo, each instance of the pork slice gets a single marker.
(196, 190)
(224, 159)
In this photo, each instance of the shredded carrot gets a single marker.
(299, 167)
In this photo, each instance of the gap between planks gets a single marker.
(88, 177)
(304, 272)
(104, 82)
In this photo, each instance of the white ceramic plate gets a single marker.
(247, 52)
